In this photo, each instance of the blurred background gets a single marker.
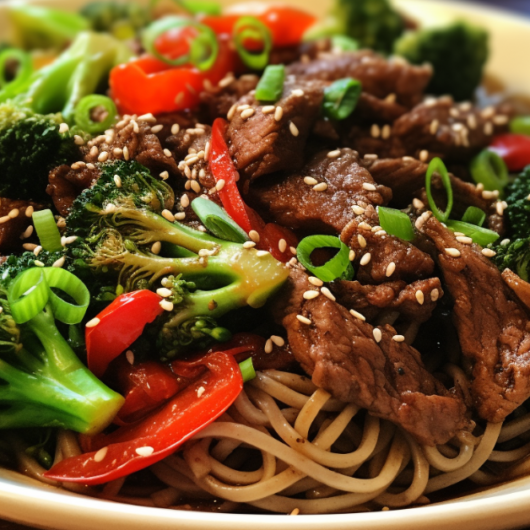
(516, 5)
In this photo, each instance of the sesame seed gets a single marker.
(297, 92)
(91, 166)
(398, 338)
(293, 250)
(464, 240)
(262, 253)
(126, 153)
(187, 185)
(366, 259)
(293, 261)
(164, 175)
(363, 225)
(500, 119)
(78, 140)
(63, 128)
(488, 112)
(488, 252)
(499, 207)
(145, 451)
(249, 244)
(420, 297)
(488, 128)
(334, 154)
(375, 131)
(418, 204)
(38, 263)
(231, 113)
(129, 355)
(472, 121)
(479, 187)
(391, 98)
(29, 246)
(293, 129)
(92, 323)
(29, 211)
(247, 113)
(61, 222)
(317, 282)
(454, 112)
(371, 157)
(433, 128)
(59, 263)
(157, 128)
(180, 216)
(136, 129)
(149, 118)
(166, 305)
(296, 511)
(453, 252)
(254, 236)
(408, 159)
(164, 292)
(268, 346)
(175, 129)
(386, 131)
(282, 245)
(303, 319)
(309, 295)
(110, 208)
(278, 113)
(195, 186)
(226, 80)
(361, 240)
(390, 269)
(327, 293)
(424, 155)
(369, 187)
(310, 181)
(268, 109)
(101, 454)
(185, 201)
(166, 214)
(377, 335)
(167, 152)
(320, 187)
(27, 232)
(435, 294)
(488, 195)
(13, 213)
(357, 210)
(505, 242)
(279, 341)
(220, 184)
(358, 315)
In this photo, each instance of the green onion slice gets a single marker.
(82, 114)
(251, 29)
(49, 236)
(217, 221)
(28, 295)
(436, 165)
(270, 86)
(247, 370)
(489, 169)
(396, 223)
(335, 268)
(474, 216)
(203, 48)
(341, 43)
(520, 125)
(479, 235)
(58, 278)
(195, 7)
(341, 97)
(24, 68)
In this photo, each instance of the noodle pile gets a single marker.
(286, 446)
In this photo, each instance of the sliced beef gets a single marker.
(264, 143)
(305, 52)
(493, 326)
(518, 286)
(13, 222)
(415, 302)
(379, 76)
(293, 202)
(371, 109)
(387, 377)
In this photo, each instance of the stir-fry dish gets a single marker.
(256, 261)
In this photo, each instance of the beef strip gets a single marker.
(293, 203)
(493, 326)
(13, 222)
(379, 76)
(262, 144)
(518, 286)
(388, 378)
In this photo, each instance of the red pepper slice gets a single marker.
(120, 324)
(514, 149)
(131, 448)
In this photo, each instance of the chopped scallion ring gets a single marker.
(474, 216)
(250, 30)
(338, 266)
(341, 43)
(489, 169)
(479, 235)
(437, 166)
(28, 295)
(195, 7)
(396, 223)
(247, 370)
(341, 97)
(83, 113)
(49, 235)
(24, 67)
(270, 86)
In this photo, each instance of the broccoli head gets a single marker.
(518, 211)
(30, 145)
(458, 54)
(514, 255)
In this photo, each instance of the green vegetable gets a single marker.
(474, 216)
(489, 169)
(341, 43)
(372, 23)
(518, 211)
(82, 114)
(479, 235)
(458, 54)
(395, 223)
(195, 7)
(341, 97)
(117, 228)
(24, 67)
(515, 256)
(270, 86)
(437, 166)
(46, 228)
(247, 370)
(42, 382)
(38, 27)
(79, 71)
(338, 266)
(520, 125)
(30, 145)
(251, 29)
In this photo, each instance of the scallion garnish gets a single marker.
(396, 223)
(28, 295)
(338, 266)
(270, 86)
(247, 370)
(251, 31)
(24, 67)
(479, 235)
(49, 235)
(83, 113)
(341, 97)
(520, 125)
(489, 169)
(203, 49)
(195, 7)
(341, 43)
(437, 166)
(474, 216)
(217, 221)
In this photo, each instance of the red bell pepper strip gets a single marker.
(120, 324)
(134, 447)
(514, 149)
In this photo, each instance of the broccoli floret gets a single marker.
(38, 27)
(30, 145)
(373, 24)
(518, 211)
(457, 52)
(515, 256)
(122, 20)
(117, 227)
(79, 71)
(42, 382)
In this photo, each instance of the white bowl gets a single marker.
(506, 506)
